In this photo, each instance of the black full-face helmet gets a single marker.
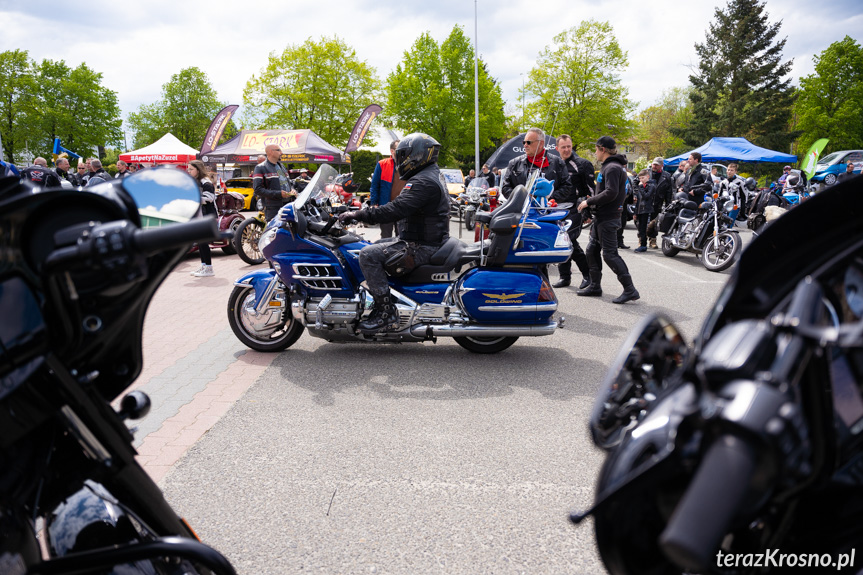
(750, 184)
(415, 152)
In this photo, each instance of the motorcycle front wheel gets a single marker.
(264, 332)
(485, 344)
(668, 249)
(246, 241)
(721, 254)
(469, 219)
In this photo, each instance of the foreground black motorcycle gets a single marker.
(77, 272)
(744, 454)
(704, 229)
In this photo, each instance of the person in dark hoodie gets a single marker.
(606, 206)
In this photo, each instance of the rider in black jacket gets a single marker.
(607, 206)
(698, 181)
(422, 208)
(272, 183)
(550, 167)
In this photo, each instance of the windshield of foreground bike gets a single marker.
(316, 188)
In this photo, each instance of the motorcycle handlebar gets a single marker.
(154, 240)
(707, 509)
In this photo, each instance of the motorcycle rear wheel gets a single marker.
(246, 241)
(230, 249)
(280, 337)
(720, 256)
(668, 249)
(485, 344)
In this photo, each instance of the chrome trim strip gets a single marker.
(268, 295)
(541, 253)
(243, 283)
(505, 308)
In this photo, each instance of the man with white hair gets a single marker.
(40, 175)
(98, 174)
(122, 170)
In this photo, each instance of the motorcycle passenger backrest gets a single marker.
(504, 219)
(230, 201)
(690, 205)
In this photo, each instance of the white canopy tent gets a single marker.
(166, 150)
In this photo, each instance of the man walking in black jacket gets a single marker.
(607, 206)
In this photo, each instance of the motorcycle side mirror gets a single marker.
(642, 369)
(164, 196)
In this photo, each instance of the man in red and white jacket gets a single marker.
(386, 186)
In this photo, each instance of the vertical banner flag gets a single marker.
(217, 127)
(361, 127)
(58, 149)
(811, 159)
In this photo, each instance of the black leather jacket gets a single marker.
(41, 176)
(610, 189)
(518, 171)
(424, 206)
(580, 180)
(698, 180)
(664, 189)
(267, 184)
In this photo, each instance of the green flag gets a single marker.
(811, 159)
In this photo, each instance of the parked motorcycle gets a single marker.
(228, 206)
(484, 296)
(473, 200)
(704, 230)
(345, 189)
(744, 453)
(78, 274)
(246, 239)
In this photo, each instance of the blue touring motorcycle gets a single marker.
(485, 296)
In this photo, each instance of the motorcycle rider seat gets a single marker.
(686, 214)
(451, 255)
(690, 205)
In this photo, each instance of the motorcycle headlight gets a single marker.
(267, 237)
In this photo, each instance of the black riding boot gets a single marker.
(383, 317)
(594, 288)
(629, 291)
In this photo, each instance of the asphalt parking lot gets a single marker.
(411, 458)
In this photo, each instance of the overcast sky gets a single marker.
(137, 46)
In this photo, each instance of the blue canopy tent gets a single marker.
(734, 149)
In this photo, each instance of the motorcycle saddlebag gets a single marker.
(665, 221)
(506, 296)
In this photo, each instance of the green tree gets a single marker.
(740, 87)
(659, 124)
(186, 109)
(830, 101)
(17, 98)
(575, 87)
(432, 91)
(73, 105)
(321, 86)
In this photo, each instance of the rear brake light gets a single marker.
(545, 292)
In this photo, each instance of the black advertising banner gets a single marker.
(361, 127)
(217, 128)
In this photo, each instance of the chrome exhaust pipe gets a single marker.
(429, 330)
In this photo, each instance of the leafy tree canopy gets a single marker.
(432, 91)
(830, 101)
(321, 86)
(186, 109)
(575, 87)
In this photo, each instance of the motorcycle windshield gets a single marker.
(316, 188)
